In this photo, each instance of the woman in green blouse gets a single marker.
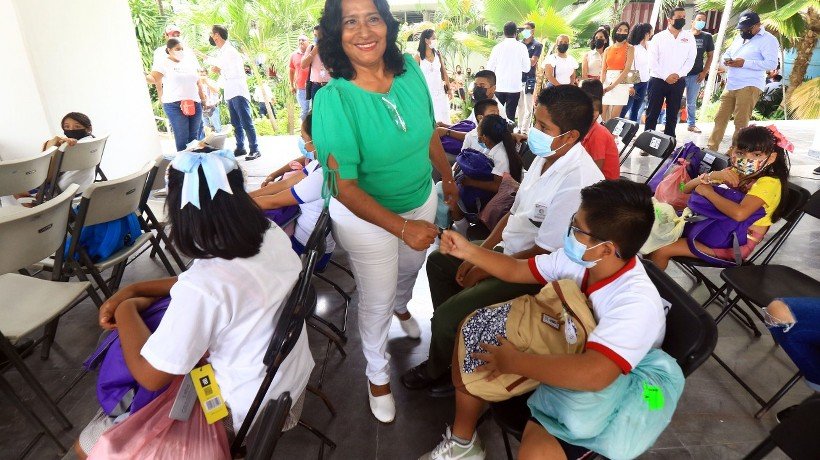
(373, 129)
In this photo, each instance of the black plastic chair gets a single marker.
(654, 143)
(796, 435)
(691, 336)
(623, 128)
(268, 428)
(527, 157)
(149, 221)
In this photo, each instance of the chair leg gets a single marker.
(506, 437)
(162, 257)
(340, 336)
(780, 393)
(321, 394)
(8, 350)
(318, 434)
(6, 388)
(48, 338)
(762, 450)
(345, 297)
(341, 267)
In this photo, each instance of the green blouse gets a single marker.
(363, 130)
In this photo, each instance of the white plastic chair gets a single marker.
(24, 174)
(85, 154)
(28, 304)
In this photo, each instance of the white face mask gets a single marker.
(434, 43)
(179, 55)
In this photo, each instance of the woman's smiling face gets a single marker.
(364, 33)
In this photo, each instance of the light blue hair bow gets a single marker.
(215, 165)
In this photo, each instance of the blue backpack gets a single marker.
(104, 239)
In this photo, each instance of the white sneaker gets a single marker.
(383, 407)
(410, 327)
(449, 449)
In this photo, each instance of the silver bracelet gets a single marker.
(404, 227)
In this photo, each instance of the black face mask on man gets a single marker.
(211, 41)
(679, 23)
(75, 134)
(479, 94)
(746, 34)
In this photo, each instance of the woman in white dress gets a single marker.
(432, 66)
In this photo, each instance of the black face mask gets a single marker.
(479, 94)
(599, 43)
(563, 47)
(211, 41)
(619, 37)
(746, 34)
(679, 23)
(75, 134)
(458, 72)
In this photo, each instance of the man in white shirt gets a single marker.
(671, 56)
(509, 60)
(230, 65)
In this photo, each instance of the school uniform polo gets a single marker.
(501, 162)
(308, 193)
(627, 307)
(471, 142)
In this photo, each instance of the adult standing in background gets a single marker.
(181, 93)
(213, 97)
(231, 67)
(297, 76)
(318, 75)
(534, 50)
(171, 31)
(373, 129)
(618, 60)
(751, 55)
(671, 57)
(705, 44)
(638, 38)
(594, 59)
(560, 68)
(509, 59)
(432, 66)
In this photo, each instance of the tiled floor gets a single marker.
(714, 419)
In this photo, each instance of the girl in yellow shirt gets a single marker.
(760, 168)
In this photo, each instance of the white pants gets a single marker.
(525, 103)
(385, 269)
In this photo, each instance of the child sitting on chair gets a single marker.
(223, 307)
(599, 254)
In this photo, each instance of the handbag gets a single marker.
(557, 320)
(188, 107)
(152, 434)
(633, 76)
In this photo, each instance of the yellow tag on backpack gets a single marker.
(210, 397)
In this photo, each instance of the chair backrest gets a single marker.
(32, 234)
(796, 201)
(655, 143)
(812, 206)
(713, 161)
(268, 428)
(691, 333)
(24, 174)
(623, 128)
(113, 199)
(318, 237)
(155, 180)
(86, 153)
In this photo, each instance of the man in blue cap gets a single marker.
(751, 55)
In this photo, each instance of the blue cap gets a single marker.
(747, 19)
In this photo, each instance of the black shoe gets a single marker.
(239, 152)
(817, 170)
(785, 413)
(253, 155)
(417, 378)
(443, 388)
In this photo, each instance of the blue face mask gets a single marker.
(541, 143)
(483, 145)
(305, 153)
(700, 25)
(575, 250)
(526, 33)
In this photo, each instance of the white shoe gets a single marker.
(383, 407)
(449, 449)
(410, 327)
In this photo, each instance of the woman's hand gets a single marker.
(499, 359)
(631, 91)
(450, 192)
(419, 234)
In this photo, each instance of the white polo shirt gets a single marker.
(546, 201)
(627, 307)
(228, 308)
(232, 72)
(563, 67)
(471, 142)
(308, 193)
(179, 80)
(501, 111)
(509, 59)
(669, 54)
(501, 162)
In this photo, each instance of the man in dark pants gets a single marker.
(671, 57)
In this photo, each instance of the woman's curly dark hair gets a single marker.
(330, 44)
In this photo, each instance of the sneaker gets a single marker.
(240, 152)
(694, 129)
(450, 449)
(416, 378)
(253, 155)
(410, 327)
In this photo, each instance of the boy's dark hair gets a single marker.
(226, 227)
(620, 211)
(595, 90)
(220, 30)
(481, 106)
(495, 127)
(488, 74)
(759, 138)
(698, 13)
(531, 24)
(510, 29)
(80, 118)
(171, 43)
(307, 123)
(777, 77)
(570, 108)
(675, 10)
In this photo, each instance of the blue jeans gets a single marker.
(802, 340)
(301, 97)
(692, 90)
(213, 121)
(632, 107)
(242, 121)
(186, 129)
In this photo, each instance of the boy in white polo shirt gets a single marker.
(599, 253)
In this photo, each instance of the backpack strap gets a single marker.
(692, 237)
(565, 304)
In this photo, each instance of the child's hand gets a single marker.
(498, 359)
(106, 315)
(462, 271)
(454, 244)
(727, 176)
(473, 277)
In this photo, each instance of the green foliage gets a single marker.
(551, 17)
(804, 102)
(149, 25)
(781, 16)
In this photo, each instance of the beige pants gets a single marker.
(738, 103)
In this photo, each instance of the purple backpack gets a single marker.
(114, 380)
(717, 230)
(689, 152)
(282, 216)
(452, 145)
(475, 165)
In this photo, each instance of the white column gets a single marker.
(77, 56)
(656, 11)
(721, 36)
